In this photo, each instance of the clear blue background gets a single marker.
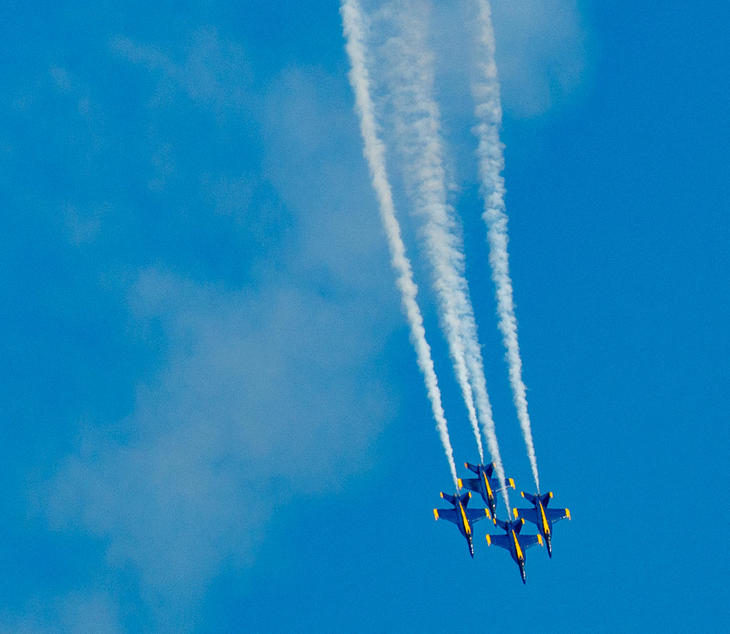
(172, 172)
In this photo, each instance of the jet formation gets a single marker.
(512, 541)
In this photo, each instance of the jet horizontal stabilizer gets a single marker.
(529, 497)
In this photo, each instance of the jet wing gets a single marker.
(529, 515)
(528, 541)
(470, 483)
(474, 515)
(447, 514)
(509, 483)
(555, 515)
(498, 540)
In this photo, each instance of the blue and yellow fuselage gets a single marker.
(518, 555)
(484, 484)
(461, 515)
(465, 526)
(541, 516)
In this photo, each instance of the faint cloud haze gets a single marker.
(210, 70)
(75, 613)
(264, 392)
(541, 53)
(247, 412)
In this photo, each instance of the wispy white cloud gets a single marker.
(247, 412)
(210, 70)
(83, 226)
(265, 392)
(75, 613)
(542, 53)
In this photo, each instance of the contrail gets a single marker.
(417, 126)
(354, 29)
(491, 163)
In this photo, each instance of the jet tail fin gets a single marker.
(471, 467)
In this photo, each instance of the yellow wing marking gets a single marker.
(545, 525)
(467, 528)
(518, 550)
(486, 481)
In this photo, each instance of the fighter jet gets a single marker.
(515, 543)
(542, 517)
(485, 485)
(462, 516)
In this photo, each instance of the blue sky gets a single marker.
(213, 417)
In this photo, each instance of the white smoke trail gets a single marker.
(374, 151)
(491, 163)
(417, 126)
